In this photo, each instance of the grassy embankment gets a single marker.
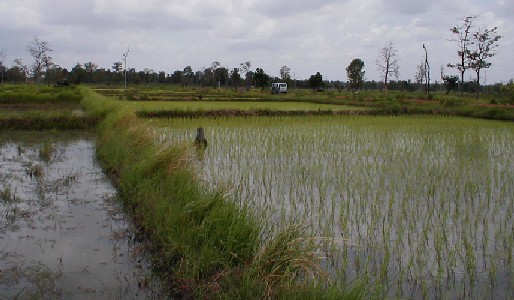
(172, 101)
(41, 107)
(205, 245)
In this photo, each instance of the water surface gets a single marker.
(63, 233)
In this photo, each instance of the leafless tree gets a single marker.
(2, 67)
(40, 50)
(285, 73)
(427, 70)
(125, 55)
(245, 68)
(463, 38)
(387, 63)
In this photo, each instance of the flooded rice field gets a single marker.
(62, 232)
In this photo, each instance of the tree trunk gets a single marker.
(461, 85)
(478, 83)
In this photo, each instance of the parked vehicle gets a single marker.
(279, 88)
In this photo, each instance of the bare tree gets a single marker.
(427, 69)
(387, 63)
(2, 67)
(485, 42)
(285, 73)
(245, 68)
(125, 55)
(463, 39)
(40, 50)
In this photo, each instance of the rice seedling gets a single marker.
(425, 198)
(46, 152)
(7, 195)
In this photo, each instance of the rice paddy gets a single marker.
(206, 105)
(424, 205)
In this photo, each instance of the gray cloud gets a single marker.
(308, 36)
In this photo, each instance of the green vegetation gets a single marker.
(207, 245)
(407, 201)
(42, 107)
(223, 227)
(36, 94)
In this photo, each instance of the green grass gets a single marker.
(233, 105)
(35, 94)
(41, 107)
(205, 245)
(210, 245)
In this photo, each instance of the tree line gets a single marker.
(475, 48)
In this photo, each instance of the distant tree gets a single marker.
(208, 76)
(162, 77)
(23, 68)
(387, 63)
(215, 75)
(463, 39)
(15, 75)
(90, 67)
(176, 77)
(249, 78)
(245, 69)
(117, 66)
(285, 73)
(78, 73)
(187, 75)
(200, 75)
(316, 81)
(125, 56)
(427, 70)
(2, 67)
(485, 42)
(355, 74)
(40, 52)
(421, 73)
(235, 77)
(149, 74)
(450, 82)
(261, 78)
(221, 74)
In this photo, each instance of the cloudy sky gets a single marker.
(305, 35)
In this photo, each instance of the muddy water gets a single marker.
(62, 233)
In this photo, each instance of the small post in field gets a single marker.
(200, 140)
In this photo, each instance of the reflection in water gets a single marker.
(63, 234)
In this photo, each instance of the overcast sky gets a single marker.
(307, 36)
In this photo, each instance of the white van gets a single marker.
(277, 88)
